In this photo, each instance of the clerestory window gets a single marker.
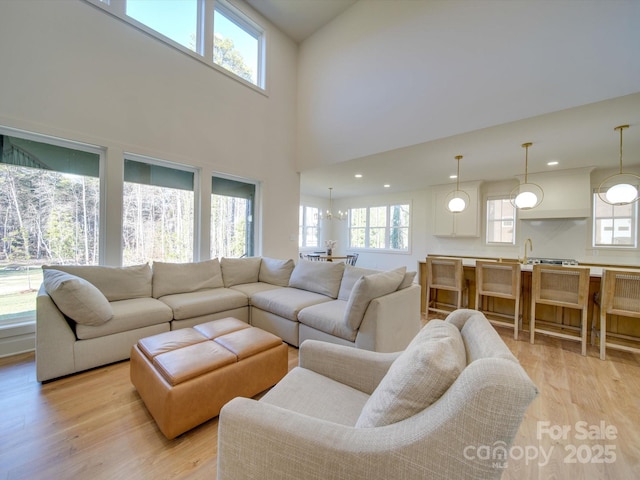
(216, 33)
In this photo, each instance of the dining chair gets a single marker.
(561, 287)
(444, 273)
(620, 295)
(499, 280)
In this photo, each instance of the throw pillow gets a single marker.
(76, 298)
(276, 272)
(418, 377)
(319, 277)
(366, 289)
(236, 271)
(171, 278)
(349, 279)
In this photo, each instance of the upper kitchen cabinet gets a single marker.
(463, 224)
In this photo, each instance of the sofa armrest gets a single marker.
(360, 369)
(391, 321)
(54, 340)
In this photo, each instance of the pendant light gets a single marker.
(620, 188)
(526, 195)
(458, 200)
(328, 214)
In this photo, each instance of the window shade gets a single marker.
(32, 154)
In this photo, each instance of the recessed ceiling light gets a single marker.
(358, 175)
(453, 176)
(386, 185)
(551, 164)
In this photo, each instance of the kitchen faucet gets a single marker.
(528, 240)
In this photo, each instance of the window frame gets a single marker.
(303, 226)
(29, 316)
(204, 35)
(594, 222)
(196, 240)
(252, 238)
(387, 228)
(501, 219)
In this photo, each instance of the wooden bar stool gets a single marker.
(564, 287)
(444, 273)
(620, 295)
(499, 280)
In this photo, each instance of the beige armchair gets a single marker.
(309, 426)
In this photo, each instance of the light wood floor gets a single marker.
(94, 426)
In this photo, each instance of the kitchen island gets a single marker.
(618, 327)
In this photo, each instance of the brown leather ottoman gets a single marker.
(186, 376)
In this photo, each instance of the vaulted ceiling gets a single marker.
(420, 81)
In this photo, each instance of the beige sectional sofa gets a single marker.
(89, 316)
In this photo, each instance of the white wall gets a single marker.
(72, 71)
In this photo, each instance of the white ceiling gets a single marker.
(569, 80)
(300, 18)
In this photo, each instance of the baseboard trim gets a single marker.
(17, 338)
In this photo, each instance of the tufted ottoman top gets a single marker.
(183, 354)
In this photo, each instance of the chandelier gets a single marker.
(329, 214)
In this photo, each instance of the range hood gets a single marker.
(567, 194)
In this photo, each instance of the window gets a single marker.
(237, 43)
(309, 231)
(216, 33)
(614, 225)
(380, 228)
(232, 207)
(501, 221)
(50, 208)
(158, 212)
(175, 19)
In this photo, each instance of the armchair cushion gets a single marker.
(419, 376)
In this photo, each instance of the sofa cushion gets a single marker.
(349, 279)
(286, 302)
(250, 289)
(319, 277)
(115, 283)
(76, 298)
(236, 271)
(328, 318)
(128, 315)
(172, 278)
(407, 281)
(418, 377)
(204, 302)
(366, 289)
(276, 272)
